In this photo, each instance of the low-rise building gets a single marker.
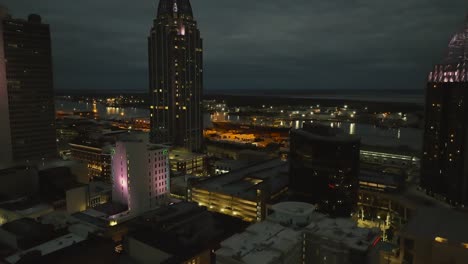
(19, 181)
(435, 235)
(295, 233)
(390, 210)
(183, 162)
(97, 159)
(227, 165)
(179, 233)
(87, 196)
(23, 208)
(243, 193)
(25, 233)
(36, 254)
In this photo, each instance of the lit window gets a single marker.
(441, 240)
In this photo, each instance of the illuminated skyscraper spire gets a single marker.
(458, 47)
(171, 7)
(454, 67)
(444, 166)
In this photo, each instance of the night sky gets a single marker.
(274, 44)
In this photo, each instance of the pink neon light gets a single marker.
(182, 30)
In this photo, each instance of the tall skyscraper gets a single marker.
(324, 168)
(27, 115)
(140, 173)
(444, 171)
(176, 76)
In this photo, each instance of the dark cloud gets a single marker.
(280, 44)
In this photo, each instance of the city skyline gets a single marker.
(261, 45)
(247, 176)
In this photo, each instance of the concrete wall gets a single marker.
(77, 199)
(143, 253)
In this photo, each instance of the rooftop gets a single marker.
(242, 183)
(183, 155)
(294, 208)
(343, 230)
(26, 227)
(48, 247)
(92, 250)
(99, 187)
(100, 215)
(260, 243)
(184, 229)
(270, 240)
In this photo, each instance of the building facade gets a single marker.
(27, 114)
(97, 159)
(140, 175)
(444, 171)
(183, 162)
(434, 236)
(244, 193)
(324, 168)
(176, 77)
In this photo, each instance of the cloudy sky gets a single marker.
(261, 44)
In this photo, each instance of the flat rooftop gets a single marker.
(27, 227)
(100, 215)
(294, 208)
(182, 155)
(99, 187)
(49, 247)
(261, 243)
(242, 183)
(269, 240)
(184, 229)
(343, 230)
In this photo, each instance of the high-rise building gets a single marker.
(176, 77)
(27, 114)
(140, 173)
(444, 171)
(324, 168)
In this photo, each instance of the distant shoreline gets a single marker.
(385, 100)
